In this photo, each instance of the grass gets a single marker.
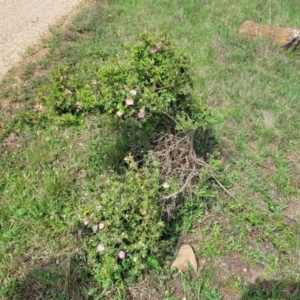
(247, 245)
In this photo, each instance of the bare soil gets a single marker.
(24, 23)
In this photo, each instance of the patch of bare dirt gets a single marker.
(232, 268)
(292, 210)
(24, 23)
(294, 160)
(11, 143)
(4, 103)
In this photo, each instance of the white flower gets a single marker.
(100, 248)
(133, 92)
(156, 49)
(165, 185)
(141, 114)
(67, 91)
(122, 255)
(129, 102)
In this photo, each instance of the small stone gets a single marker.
(245, 270)
(185, 259)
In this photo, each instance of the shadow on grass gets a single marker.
(273, 290)
(63, 279)
(205, 143)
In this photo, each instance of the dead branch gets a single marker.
(178, 158)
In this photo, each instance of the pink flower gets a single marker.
(121, 254)
(132, 92)
(85, 222)
(141, 114)
(100, 248)
(154, 50)
(68, 92)
(119, 113)
(100, 226)
(129, 102)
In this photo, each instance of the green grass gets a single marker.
(47, 173)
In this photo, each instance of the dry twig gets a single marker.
(178, 158)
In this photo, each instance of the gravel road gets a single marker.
(24, 23)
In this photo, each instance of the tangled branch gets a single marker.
(177, 157)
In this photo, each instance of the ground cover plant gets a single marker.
(55, 167)
(150, 88)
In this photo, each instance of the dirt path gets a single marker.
(24, 23)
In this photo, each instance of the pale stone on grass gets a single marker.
(185, 259)
(285, 37)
